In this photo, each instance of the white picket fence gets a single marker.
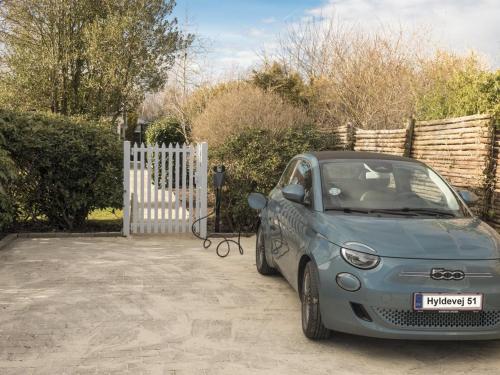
(165, 188)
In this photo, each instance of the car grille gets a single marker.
(434, 319)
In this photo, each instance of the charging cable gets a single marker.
(224, 246)
(207, 242)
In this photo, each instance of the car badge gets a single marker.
(444, 274)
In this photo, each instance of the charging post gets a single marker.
(219, 177)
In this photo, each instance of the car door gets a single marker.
(277, 242)
(294, 221)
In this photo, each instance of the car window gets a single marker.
(424, 187)
(375, 184)
(287, 174)
(302, 175)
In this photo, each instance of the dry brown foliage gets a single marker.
(244, 107)
(367, 79)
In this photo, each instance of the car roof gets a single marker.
(332, 155)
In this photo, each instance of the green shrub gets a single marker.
(7, 174)
(167, 130)
(7, 212)
(66, 167)
(254, 160)
(278, 78)
(466, 90)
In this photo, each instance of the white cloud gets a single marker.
(243, 58)
(230, 64)
(255, 32)
(458, 24)
(269, 20)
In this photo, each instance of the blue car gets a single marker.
(382, 246)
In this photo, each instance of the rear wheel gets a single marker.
(312, 324)
(260, 255)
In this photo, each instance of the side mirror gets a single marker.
(294, 193)
(468, 196)
(257, 201)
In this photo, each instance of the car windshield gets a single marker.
(387, 186)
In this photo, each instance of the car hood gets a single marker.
(461, 238)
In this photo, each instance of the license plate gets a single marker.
(447, 302)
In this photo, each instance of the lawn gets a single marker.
(107, 219)
(104, 220)
(108, 215)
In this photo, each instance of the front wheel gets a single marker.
(260, 255)
(312, 324)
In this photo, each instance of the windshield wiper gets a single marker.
(348, 210)
(405, 211)
(391, 211)
(423, 211)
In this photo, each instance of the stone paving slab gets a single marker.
(163, 305)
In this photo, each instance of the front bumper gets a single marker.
(386, 296)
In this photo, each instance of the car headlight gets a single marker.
(360, 260)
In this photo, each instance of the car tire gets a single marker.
(312, 324)
(260, 255)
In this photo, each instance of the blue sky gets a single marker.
(237, 31)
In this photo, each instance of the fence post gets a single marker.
(203, 177)
(491, 165)
(410, 127)
(350, 137)
(126, 188)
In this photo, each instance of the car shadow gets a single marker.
(424, 350)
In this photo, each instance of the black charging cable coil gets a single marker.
(207, 242)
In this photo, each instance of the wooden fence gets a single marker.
(465, 150)
(493, 213)
(385, 141)
(343, 137)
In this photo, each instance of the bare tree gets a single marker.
(187, 74)
(369, 79)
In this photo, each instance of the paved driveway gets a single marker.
(163, 305)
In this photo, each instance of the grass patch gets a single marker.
(107, 220)
(107, 214)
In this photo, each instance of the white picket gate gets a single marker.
(165, 188)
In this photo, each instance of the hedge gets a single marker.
(254, 161)
(167, 130)
(7, 174)
(66, 167)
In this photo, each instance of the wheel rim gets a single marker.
(260, 249)
(306, 299)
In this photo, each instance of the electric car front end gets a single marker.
(382, 246)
